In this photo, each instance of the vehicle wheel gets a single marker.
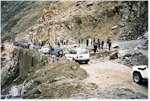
(86, 62)
(137, 78)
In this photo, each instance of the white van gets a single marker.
(79, 55)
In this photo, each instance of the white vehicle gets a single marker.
(79, 55)
(31, 46)
(44, 49)
(140, 73)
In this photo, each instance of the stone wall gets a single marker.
(28, 59)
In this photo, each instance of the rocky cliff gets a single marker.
(46, 21)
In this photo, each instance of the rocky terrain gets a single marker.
(76, 19)
(28, 74)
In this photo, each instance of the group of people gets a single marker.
(89, 42)
(98, 44)
(63, 42)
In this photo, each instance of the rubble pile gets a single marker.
(104, 55)
(58, 80)
(45, 79)
(135, 59)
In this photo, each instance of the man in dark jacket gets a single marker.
(87, 42)
(98, 41)
(102, 44)
(109, 44)
(95, 47)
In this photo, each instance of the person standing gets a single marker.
(58, 44)
(98, 41)
(94, 41)
(108, 40)
(67, 42)
(79, 41)
(64, 42)
(109, 44)
(102, 44)
(95, 47)
(50, 47)
(87, 42)
(91, 42)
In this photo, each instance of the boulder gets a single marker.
(142, 47)
(90, 4)
(126, 55)
(14, 91)
(114, 27)
(103, 54)
(115, 46)
(127, 58)
(139, 59)
(114, 55)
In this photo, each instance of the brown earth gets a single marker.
(105, 74)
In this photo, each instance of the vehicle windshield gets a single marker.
(73, 52)
(83, 52)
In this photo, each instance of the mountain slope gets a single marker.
(125, 20)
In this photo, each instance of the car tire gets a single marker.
(86, 62)
(137, 78)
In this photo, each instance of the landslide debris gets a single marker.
(135, 59)
(57, 80)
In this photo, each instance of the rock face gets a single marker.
(18, 16)
(7, 53)
(10, 70)
(77, 19)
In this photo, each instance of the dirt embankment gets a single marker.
(58, 80)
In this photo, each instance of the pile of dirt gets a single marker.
(57, 80)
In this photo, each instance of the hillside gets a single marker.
(43, 22)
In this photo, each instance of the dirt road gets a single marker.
(105, 74)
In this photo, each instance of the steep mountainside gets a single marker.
(17, 16)
(43, 22)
